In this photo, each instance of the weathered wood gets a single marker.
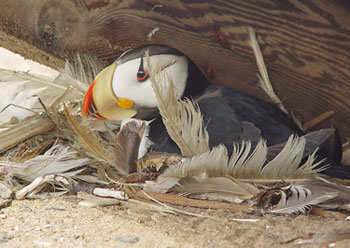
(305, 43)
(25, 129)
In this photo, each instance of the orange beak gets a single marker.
(100, 101)
(89, 108)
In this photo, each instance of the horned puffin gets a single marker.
(124, 90)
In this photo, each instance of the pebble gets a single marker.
(7, 236)
(56, 209)
(128, 239)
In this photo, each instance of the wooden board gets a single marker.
(305, 43)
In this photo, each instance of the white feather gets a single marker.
(210, 163)
(57, 160)
(182, 118)
(23, 88)
(299, 199)
(244, 165)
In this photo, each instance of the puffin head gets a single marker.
(124, 89)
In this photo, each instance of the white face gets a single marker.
(126, 85)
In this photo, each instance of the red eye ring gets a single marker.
(142, 75)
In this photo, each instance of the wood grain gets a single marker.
(305, 43)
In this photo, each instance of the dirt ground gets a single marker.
(61, 222)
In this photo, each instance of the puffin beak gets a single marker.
(100, 101)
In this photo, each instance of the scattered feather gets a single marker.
(81, 72)
(57, 160)
(126, 145)
(201, 174)
(182, 118)
(211, 163)
(211, 171)
(313, 141)
(251, 165)
(220, 185)
(90, 140)
(264, 76)
(152, 33)
(48, 89)
(299, 197)
(342, 199)
(245, 163)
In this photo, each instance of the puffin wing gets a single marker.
(223, 124)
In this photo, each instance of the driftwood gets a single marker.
(305, 43)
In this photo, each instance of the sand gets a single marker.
(61, 222)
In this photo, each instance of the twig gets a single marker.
(184, 201)
(174, 209)
(319, 119)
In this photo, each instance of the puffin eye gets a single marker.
(142, 75)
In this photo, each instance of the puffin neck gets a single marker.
(196, 81)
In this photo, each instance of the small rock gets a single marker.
(3, 241)
(128, 240)
(7, 236)
(56, 209)
(76, 236)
